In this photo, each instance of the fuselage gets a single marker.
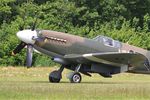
(58, 44)
(62, 44)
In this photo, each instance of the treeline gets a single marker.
(124, 20)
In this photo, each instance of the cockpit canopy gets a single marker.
(107, 41)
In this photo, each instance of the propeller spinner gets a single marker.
(27, 36)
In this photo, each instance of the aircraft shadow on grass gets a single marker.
(100, 82)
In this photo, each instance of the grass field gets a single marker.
(19, 83)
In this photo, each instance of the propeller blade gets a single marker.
(21, 27)
(29, 55)
(34, 24)
(19, 48)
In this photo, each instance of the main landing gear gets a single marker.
(74, 77)
(56, 76)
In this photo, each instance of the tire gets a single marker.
(54, 77)
(75, 77)
(54, 80)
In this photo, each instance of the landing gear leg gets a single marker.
(75, 77)
(56, 75)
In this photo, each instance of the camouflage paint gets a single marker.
(71, 45)
(59, 44)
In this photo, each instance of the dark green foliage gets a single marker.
(125, 20)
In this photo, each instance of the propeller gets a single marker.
(29, 53)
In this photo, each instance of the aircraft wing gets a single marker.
(110, 58)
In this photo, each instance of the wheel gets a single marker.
(54, 80)
(75, 77)
(55, 77)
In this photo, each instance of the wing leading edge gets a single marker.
(111, 58)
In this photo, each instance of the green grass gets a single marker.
(18, 83)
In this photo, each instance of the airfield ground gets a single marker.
(19, 83)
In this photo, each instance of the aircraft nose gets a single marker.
(27, 36)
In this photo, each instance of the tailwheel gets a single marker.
(75, 77)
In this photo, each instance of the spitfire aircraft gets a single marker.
(101, 55)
